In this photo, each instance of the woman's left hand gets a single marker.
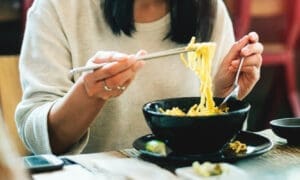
(251, 49)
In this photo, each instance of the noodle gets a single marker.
(199, 60)
(237, 146)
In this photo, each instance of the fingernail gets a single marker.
(141, 52)
(253, 35)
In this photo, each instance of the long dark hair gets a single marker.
(188, 18)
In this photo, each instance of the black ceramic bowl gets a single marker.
(287, 128)
(195, 134)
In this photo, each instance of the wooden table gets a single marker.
(281, 162)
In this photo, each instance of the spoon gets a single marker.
(236, 87)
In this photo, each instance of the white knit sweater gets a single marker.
(63, 34)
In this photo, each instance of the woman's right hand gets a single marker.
(70, 118)
(112, 79)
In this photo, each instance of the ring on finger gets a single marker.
(122, 88)
(105, 87)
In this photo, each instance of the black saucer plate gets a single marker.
(256, 145)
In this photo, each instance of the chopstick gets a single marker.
(145, 57)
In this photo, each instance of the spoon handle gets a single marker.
(238, 71)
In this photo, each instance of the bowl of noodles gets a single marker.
(196, 124)
(194, 134)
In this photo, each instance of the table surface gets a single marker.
(281, 162)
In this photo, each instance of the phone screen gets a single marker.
(42, 163)
(33, 161)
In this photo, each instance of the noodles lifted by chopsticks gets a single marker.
(199, 60)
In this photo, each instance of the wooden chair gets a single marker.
(279, 52)
(10, 87)
(10, 96)
(240, 14)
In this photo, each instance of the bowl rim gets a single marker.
(245, 109)
(276, 122)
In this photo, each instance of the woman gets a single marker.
(101, 110)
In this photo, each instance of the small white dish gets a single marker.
(230, 172)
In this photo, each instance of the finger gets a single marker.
(250, 69)
(102, 89)
(124, 86)
(105, 91)
(253, 37)
(237, 46)
(140, 63)
(243, 68)
(254, 60)
(252, 73)
(105, 57)
(119, 79)
(117, 90)
(141, 53)
(114, 68)
(101, 92)
(108, 56)
(95, 88)
(250, 49)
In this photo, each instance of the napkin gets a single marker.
(230, 172)
(69, 172)
(130, 168)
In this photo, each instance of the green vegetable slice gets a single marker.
(156, 146)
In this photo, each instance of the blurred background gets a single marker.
(275, 96)
(10, 26)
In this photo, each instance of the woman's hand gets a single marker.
(112, 79)
(251, 49)
(70, 118)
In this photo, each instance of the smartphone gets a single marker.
(43, 163)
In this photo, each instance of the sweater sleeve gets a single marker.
(45, 61)
(222, 34)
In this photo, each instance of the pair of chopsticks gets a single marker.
(145, 57)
